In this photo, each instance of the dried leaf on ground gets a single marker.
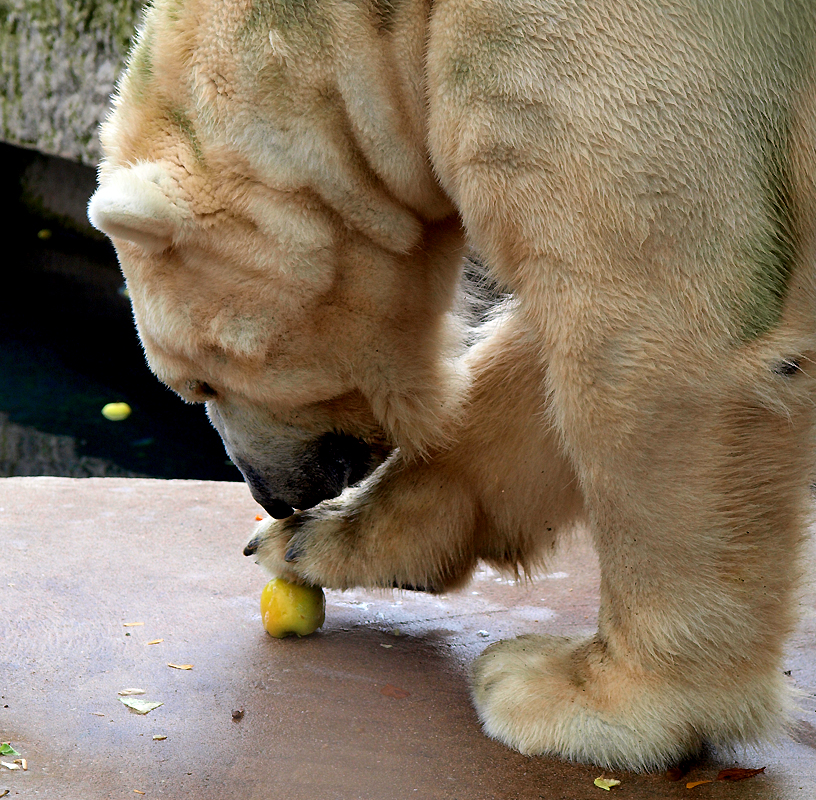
(692, 784)
(129, 692)
(140, 706)
(738, 773)
(606, 783)
(180, 666)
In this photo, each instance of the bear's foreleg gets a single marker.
(502, 492)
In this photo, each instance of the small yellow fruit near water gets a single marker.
(116, 412)
(291, 608)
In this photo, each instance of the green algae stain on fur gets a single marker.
(141, 65)
(290, 18)
(173, 9)
(140, 61)
(184, 124)
(490, 46)
(283, 14)
(773, 252)
(763, 308)
(386, 12)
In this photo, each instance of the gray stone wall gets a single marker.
(59, 60)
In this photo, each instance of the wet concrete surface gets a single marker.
(375, 706)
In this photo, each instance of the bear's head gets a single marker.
(290, 259)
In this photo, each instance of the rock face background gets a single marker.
(59, 60)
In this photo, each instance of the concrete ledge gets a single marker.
(375, 706)
(59, 60)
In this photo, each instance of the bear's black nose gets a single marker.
(327, 466)
(277, 509)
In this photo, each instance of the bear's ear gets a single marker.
(139, 204)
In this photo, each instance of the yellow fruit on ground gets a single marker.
(292, 608)
(116, 411)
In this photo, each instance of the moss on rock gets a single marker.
(59, 61)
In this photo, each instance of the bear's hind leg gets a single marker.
(697, 494)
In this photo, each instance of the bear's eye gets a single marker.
(200, 391)
(787, 367)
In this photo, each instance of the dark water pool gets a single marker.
(68, 347)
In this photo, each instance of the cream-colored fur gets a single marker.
(291, 186)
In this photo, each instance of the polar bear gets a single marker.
(292, 187)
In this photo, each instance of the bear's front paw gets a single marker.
(337, 546)
(562, 697)
(282, 548)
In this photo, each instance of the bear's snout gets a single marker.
(324, 468)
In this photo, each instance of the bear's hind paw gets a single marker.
(563, 697)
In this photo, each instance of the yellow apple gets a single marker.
(116, 412)
(292, 608)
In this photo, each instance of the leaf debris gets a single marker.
(606, 783)
(140, 706)
(730, 774)
(180, 666)
(738, 773)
